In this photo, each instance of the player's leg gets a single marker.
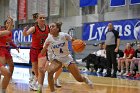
(10, 63)
(56, 75)
(34, 60)
(5, 72)
(42, 67)
(53, 67)
(76, 73)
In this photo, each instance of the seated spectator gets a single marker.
(102, 61)
(90, 59)
(135, 61)
(127, 58)
(98, 59)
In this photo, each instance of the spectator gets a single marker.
(135, 61)
(102, 61)
(97, 58)
(127, 58)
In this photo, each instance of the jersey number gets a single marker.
(42, 41)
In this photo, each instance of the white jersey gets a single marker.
(101, 53)
(59, 44)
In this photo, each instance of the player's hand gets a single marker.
(18, 50)
(10, 19)
(24, 30)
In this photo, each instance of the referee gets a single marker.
(112, 43)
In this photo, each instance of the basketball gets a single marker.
(78, 45)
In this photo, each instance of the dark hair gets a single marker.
(59, 24)
(5, 22)
(35, 16)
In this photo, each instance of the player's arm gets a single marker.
(29, 31)
(44, 50)
(45, 46)
(12, 44)
(68, 37)
(8, 30)
(10, 27)
(4, 33)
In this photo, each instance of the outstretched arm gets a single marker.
(4, 33)
(9, 29)
(29, 31)
(44, 50)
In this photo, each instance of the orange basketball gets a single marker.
(78, 45)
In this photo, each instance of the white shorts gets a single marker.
(65, 60)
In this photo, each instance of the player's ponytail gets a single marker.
(59, 24)
(35, 16)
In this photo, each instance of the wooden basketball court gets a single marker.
(69, 85)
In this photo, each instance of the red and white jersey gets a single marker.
(59, 44)
(38, 37)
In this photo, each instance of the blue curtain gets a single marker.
(84, 3)
(117, 3)
(134, 2)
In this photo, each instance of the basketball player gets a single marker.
(3, 53)
(39, 34)
(9, 43)
(58, 41)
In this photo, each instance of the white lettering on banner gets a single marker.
(91, 31)
(127, 31)
(18, 36)
(100, 31)
(119, 28)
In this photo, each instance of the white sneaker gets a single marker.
(125, 74)
(99, 70)
(104, 71)
(87, 81)
(31, 77)
(57, 83)
(120, 73)
(33, 86)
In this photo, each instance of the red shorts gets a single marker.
(34, 54)
(4, 52)
(8, 56)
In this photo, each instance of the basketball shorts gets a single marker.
(66, 60)
(34, 54)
